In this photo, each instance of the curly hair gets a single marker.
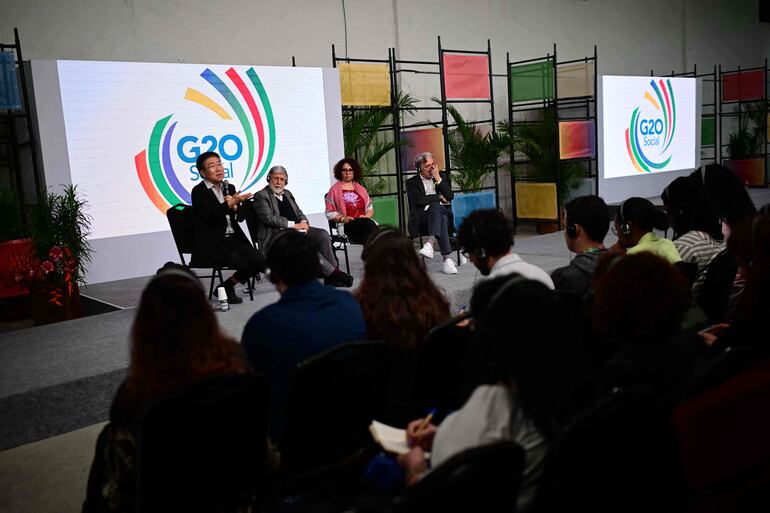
(175, 338)
(640, 299)
(399, 300)
(357, 171)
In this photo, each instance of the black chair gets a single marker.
(714, 293)
(441, 367)
(205, 449)
(485, 478)
(252, 224)
(181, 221)
(340, 242)
(451, 231)
(333, 398)
(619, 454)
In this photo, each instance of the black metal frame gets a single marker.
(10, 117)
(350, 110)
(739, 113)
(589, 103)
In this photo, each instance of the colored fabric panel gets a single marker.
(419, 141)
(708, 131)
(575, 80)
(750, 171)
(744, 85)
(536, 201)
(532, 81)
(364, 84)
(386, 210)
(466, 76)
(9, 85)
(465, 203)
(577, 139)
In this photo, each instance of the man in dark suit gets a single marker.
(217, 238)
(430, 193)
(276, 210)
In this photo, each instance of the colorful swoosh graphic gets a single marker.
(665, 103)
(154, 166)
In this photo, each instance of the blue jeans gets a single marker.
(436, 220)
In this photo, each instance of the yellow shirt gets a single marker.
(662, 247)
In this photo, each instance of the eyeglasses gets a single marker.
(214, 166)
(347, 170)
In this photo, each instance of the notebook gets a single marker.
(391, 439)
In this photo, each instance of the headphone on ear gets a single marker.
(571, 225)
(625, 226)
(480, 251)
(277, 168)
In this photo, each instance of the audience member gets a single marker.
(308, 319)
(430, 195)
(635, 220)
(639, 305)
(727, 193)
(525, 392)
(697, 230)
(400, 304)
(276, 210)
(486, 236)
(348, 203)
(175, 341)
(217, 237)
(588, 221)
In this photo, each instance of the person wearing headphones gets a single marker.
(588, 221)
(430, 195)
(217, 237)
(308, 319)
(276, 210)
(634, 223)
(486, 237)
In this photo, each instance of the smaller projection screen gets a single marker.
(649, 133)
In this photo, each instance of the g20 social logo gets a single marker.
(652, 128)
(244, 119)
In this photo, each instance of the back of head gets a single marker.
(590, 212)
(750, 243)
(726, 192)
(399, 300)
(519, 343)
(690, 209)
(292, 258)
(641, 213)
(486, 232)
(640, 299)
(175, 336)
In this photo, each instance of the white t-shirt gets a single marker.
(512, 263)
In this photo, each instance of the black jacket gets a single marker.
(418, 200)
(210, 225)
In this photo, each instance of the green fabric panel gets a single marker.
(532, 81)
(708, 131)
(386, 210)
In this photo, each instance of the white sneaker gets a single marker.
(449, 267)
(427, 250)
(463, 260)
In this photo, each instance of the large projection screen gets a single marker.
(649, 134)
(127, 134)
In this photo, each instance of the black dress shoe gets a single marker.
(338, 279)
(231, 297)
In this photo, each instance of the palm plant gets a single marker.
(474, 154)
(538, 140)
(364, 140)
(748, 138)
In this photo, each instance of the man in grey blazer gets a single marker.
(277, 210)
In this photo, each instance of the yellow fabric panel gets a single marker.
(536, 201)
(574, 80)
(364, 84)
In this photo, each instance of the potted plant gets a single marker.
(60, 253)
(538, 140)
(474, 156)
(745, 145)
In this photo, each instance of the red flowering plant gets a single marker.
(59, 226)
(55, 277)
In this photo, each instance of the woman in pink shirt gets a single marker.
(348, 203)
